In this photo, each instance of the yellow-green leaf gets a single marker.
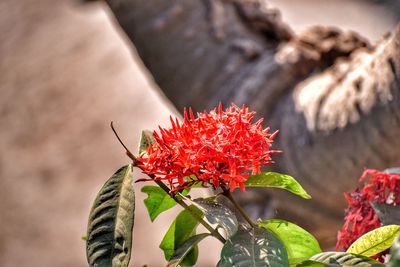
(375, 241)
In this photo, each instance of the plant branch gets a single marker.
(214, 232)
(228, 195)
(128, 153)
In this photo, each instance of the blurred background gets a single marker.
(66, 71)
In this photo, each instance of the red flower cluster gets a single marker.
(360, 217)
(218, 148)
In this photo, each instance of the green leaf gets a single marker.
(216, 213)
(395, 254)
(109, 235)
(181, 229)
(375, 241)
(157, 201)
(336, 259)
(185, 248)
(300, 244)
(146, 140)
(278, 180)
(253, 247)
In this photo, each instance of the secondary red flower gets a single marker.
(218, 148)
(360, 217)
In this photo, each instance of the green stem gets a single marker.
(214, 232)
(228, 195)
(135, 162)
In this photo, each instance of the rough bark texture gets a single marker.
(338, 122)
(333, 96)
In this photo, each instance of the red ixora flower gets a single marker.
(360, 217)
(218, 148)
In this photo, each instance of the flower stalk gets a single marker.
(214, 232)
(136, 163)
(229, 196)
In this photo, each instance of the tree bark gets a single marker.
(334, 98)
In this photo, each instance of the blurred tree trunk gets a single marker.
(334, 97)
